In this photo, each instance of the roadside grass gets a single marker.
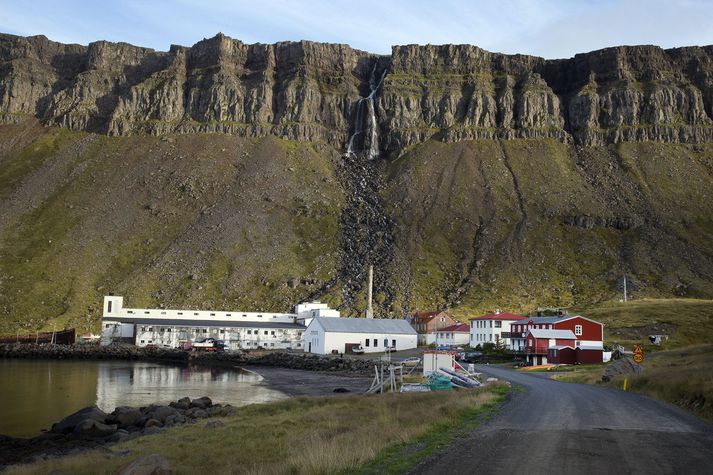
(682, 376)
(686, 321)
(356, 434)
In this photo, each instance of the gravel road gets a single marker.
(556, 427)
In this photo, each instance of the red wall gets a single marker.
(589, 356)
(590, 330)
(564, 356)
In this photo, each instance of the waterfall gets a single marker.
(369, 134)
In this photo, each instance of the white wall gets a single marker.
(452, 338)
(486, 331)
(324, 342)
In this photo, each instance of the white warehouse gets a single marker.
(241, 330)
(329, 335)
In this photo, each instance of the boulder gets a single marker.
(93, 429)
(67, 425)
(162, 412)
(196, 413)
(153, 423)
(128, 416)
(174, 420)
(183, 403)
(153, 464)
(202, 402)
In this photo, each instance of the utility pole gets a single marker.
(369, 309)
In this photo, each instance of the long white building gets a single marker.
(173, 328)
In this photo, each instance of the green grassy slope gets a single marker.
(215, 221)
(524, 223)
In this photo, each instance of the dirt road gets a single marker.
(555, 427)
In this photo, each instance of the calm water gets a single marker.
(35, 394)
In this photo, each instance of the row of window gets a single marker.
(485, 323)
(543, 326)
(481, 337)
(195, 314)
(376, 343)
(203, 330)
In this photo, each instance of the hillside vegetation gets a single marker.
(218, 221)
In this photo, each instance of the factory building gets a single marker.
(240, 330)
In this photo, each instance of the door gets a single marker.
(309, 350)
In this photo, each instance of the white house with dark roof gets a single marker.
(173, 328)
(374, 335)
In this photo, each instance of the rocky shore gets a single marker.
(129, 352)
(92, 428)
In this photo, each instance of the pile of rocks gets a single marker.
(282, 359)
(91, 428)
(622, 367)
(111, 352)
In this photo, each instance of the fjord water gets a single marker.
(37, 393)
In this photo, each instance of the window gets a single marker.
(376, 343)
(142, 341)
(529, 342)
(498, 324)
(107, 325)
(578, 330)
(386, 342)
(491, 323)
(367, 342)
(146, 312)
(259, 316)
(212, 315)
(150, 329)
(180, 313)
(195, 313)
(393, 343)
(163, 313)
(265, 332)
(108, 307)
(272, 333)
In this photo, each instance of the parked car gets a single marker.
(412, 361)
(358, 350)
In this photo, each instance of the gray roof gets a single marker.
(365, 325)
(561, 334)
(168, 322)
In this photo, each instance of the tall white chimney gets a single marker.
(369, 309)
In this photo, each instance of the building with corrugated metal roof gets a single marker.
(372, 335)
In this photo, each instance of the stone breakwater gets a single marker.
(127, 352)
(91, 428)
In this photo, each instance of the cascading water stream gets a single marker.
(370, 133)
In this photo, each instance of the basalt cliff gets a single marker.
(217, 175)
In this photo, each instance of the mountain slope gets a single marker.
(215, 176)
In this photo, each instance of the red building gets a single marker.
(427, 324)
(576, 339)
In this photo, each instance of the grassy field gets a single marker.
(686, 321)
(356, 434)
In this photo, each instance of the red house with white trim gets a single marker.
(576, 339)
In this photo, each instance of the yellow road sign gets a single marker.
(639, 357)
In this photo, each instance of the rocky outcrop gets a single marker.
(310, 91)
(92, 428)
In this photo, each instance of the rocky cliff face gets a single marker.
(310, 91)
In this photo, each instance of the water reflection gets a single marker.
(36, 394)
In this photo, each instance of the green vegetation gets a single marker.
(686, 322)
(357, 434)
